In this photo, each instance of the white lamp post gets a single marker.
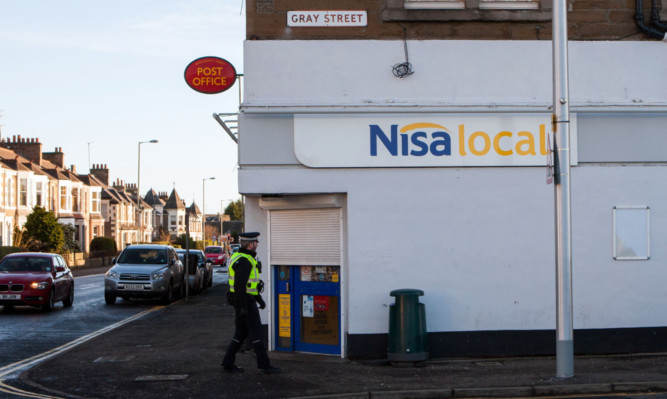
(139, 213)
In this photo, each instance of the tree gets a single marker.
(42, 231)
(182, 242)
(235, 210)
(70, 244)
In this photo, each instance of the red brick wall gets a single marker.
(588, 20)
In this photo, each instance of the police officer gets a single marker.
(245, 287)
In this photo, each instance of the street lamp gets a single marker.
(139, 214)
(203, 205)
(89, 143)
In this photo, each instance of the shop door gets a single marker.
(305, 253)
(308, 316)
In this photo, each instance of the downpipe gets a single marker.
(639, 20)
(655, 17)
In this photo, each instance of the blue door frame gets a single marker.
(302, 309)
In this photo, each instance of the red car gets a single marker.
(217, 254)
(35, 279)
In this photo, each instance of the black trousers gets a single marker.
(248, 326)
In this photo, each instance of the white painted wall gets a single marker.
(478, 241)
(463, 72)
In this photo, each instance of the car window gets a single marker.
(143, 256)
(213, 250)
(26, 264)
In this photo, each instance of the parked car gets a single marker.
(35, 279)
(217, 254)
(145, 271)
(200, 269)
(207, 265)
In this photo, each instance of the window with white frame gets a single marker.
(481, 4)
(75, 199)
(63, 198)
(95, 201)
(23, 191)
(39, 194)
(10, 192)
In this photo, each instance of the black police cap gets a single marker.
(251, 236)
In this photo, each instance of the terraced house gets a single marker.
(389, 144)
(30, 177)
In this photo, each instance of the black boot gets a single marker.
(230, 356)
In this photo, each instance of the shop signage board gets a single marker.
(330, 18)
(424, 140)
(210, 75)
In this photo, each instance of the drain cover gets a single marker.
(113, 359)
(165, 377)
(488, 364)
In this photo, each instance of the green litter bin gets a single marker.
(407, 327)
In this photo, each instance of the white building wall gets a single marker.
(478, 241)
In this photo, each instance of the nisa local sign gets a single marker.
(424, 140)
(210, 75)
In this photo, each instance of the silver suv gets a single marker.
(145, 271)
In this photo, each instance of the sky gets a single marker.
(95, 78)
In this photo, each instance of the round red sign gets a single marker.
(210, 75)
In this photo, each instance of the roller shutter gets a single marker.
(305, 237)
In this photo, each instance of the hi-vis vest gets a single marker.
(253, 280)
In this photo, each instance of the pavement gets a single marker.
(176, 352)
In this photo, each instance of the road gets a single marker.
(29, 335)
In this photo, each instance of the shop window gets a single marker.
(319, 320)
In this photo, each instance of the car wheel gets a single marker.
(67, 302)
(169, 295)
(110, 299)
(50, 304)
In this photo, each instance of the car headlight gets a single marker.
(39, 285)
(158, 274)
(112, 274)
